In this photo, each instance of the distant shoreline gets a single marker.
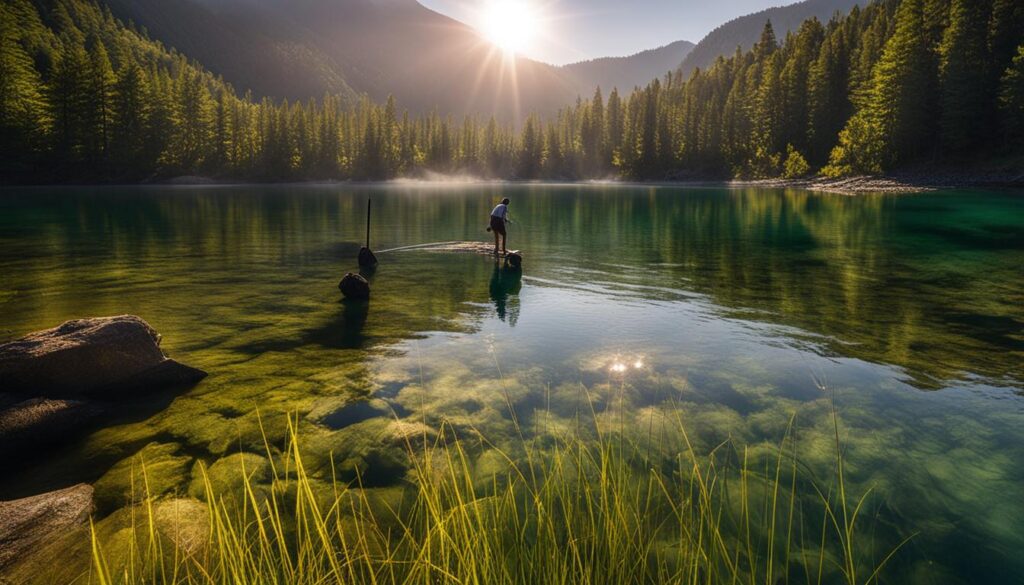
(861, 185)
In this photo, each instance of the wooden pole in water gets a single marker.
(366, 257)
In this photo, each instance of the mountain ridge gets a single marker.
(304, 49)
(745, 30)
(628, 71)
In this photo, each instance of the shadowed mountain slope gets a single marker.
(300, 49)
(627, 72)
(746, 30)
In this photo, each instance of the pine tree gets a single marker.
(1011, 101)
(767, 121)
(593, 134)
(492, 150)
(161, 121)
(1006, 33)
(893, 121)
(796, 165)
(615, 124)
(935, 16)
(99, 111)
(767, 44)
(391, 166)
(795, 82)
(737, 124)
(67, 100)
(646, 159)
(554, 156)
(861, 149)
(22, 118)
(130, 117)
(828, 98)
(868, 45)
(193, 123)
(666, 137)
(531, 152)
(964, 77)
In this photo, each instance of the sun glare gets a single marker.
(511, 25)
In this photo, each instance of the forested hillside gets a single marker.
(894, 84)
(298, 49)
(746, 30)
(84, 98)
(301, 49)
(269, 56)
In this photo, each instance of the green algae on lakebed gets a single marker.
(733, 307)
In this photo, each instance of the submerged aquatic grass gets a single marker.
(575, 507)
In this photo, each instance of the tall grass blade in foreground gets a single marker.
(568, 509)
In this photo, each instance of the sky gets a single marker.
(576, 30)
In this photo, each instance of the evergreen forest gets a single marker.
(85, 97)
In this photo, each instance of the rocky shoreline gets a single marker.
(56, 385)
(847, 186)
(893, 184)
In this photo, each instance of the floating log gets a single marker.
(513, 258)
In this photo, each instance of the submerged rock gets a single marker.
(181, 527)
(159, 469)
(354, 287)
(91, 357)
(43, 421)
(31, 522)
(229, 476)
(185, 522)
(367, 452)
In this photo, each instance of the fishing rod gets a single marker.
(415, 246)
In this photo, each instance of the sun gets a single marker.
(511, 25)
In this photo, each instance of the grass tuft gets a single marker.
(578, 507)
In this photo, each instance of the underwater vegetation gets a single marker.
(593, 503)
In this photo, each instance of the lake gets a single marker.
(749, 306)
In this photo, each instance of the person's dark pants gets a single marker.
(498, 227)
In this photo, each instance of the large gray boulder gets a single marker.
(91, 357)
(31, 522)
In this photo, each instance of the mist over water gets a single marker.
(738, 308)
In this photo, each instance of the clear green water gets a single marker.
(741, 304)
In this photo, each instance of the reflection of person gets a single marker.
(498, 218)
(505, 287)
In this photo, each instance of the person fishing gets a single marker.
(499, 217)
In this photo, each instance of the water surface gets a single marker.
(745, 306)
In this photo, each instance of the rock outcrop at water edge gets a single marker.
(91, 357)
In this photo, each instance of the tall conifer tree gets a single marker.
(964, 76)
(1011, 100)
